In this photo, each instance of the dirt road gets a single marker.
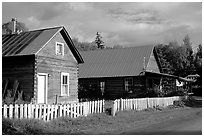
(191, 125)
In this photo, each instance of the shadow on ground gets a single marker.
(194, 102)
(168, 133)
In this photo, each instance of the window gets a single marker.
(65, 84)
(150, 83)
(59, 48)
(128, 84)
(102, 86)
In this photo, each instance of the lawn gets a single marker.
(97, 123)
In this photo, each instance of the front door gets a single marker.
(42, 88)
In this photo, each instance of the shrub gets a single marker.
(11, 99)
(180, 92)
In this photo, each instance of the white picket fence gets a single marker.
(141, 103)
(48, 112)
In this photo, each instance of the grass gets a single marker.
(95, 123)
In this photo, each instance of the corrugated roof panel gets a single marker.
(31, 42)
(115, 62)
(10, 47)
(26, 43)
(40, 41)
(22, 45)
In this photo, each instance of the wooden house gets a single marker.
(45, 62)
(121, 72)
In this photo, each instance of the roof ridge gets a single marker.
(98, 50)
(41, 29)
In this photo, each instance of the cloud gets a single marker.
(129, 23)
(140, 16)
(80, 6)
(49, 14)
(32, 21)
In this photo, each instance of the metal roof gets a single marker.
(31, 42)
(114, 62)
(26, 43)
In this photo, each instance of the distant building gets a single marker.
(122, 72)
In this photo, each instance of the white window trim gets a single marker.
(62, 48)
(64, 74)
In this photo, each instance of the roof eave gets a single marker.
(72, 47)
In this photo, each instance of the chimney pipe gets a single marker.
(14, 21)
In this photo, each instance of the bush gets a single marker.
(180, 92)
(11, 99)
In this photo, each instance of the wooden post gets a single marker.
(5, 111)
(10, 111)
(126, 104)
(148, 104)
(78, 109)
(36, 111)
(71, 110)
(95, 106)
(44, 113)
(60, 111)
(103, 105)
(21, 111)
(74, 110)
(16, 111)
(40, 112)
(52, 111)
(32, 111)
(92, 107)
(25, 111)
(56, 99)
(135, 100)
(121, 104)
(56, 111)
(98, 105)
(29, 110)
(64, 110)
(49, 112)
(81, 109)
(113, 108)
(86, 108)
(129, 104)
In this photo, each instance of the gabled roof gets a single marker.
(114, 62)
(31, 42)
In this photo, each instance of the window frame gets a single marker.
(128, 87)
(61, 82)
(102, 86)
(56, 47)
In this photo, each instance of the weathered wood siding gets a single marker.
(48, 62)
(20, 68)
(152, 64)
(114, 86)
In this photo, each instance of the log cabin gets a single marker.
(45, 62)
(120, 73)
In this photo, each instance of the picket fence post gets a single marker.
(113, 108)
(40, 112)
(21, 111)
(5, 111)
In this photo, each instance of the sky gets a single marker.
(120, 23)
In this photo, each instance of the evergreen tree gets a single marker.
(99, 41)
